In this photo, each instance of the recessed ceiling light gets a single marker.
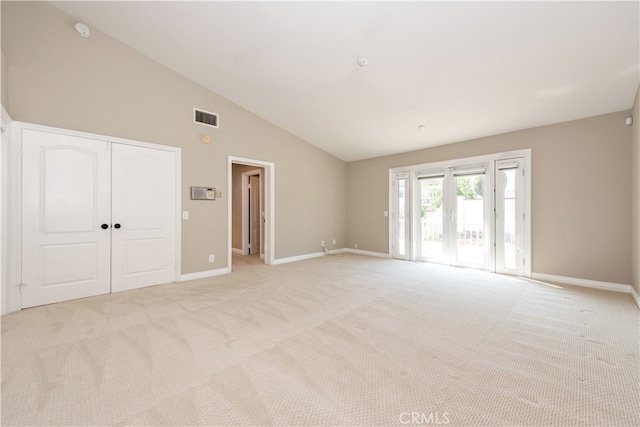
(82, 30)
(363, 62)
(422, 127)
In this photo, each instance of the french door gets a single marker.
(453, 217)
(401, 216)
(434, 213)
(509, 217)
(469, 214)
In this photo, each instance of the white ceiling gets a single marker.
(463, 70)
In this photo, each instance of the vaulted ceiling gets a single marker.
(436, 73)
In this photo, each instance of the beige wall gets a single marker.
(4, 88)
(236, 204)
(581, 169)
(635, 252)
(98, 85)
(4, 82)
(580, 195)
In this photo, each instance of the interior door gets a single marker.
(65, 217)
(254, 209)
(143, 217)
(509, 214)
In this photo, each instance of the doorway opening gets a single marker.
(251, 209)
(249, 219)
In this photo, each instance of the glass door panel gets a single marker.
(401, 216)
(432, 218)
(470, 242)
(509, 217)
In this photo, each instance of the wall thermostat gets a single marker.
(203, 193)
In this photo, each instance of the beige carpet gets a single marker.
(338, 340)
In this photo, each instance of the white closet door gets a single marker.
(65, 250)
(143, 217)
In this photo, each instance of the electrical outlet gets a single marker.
(355, 246)
(322, 243)
(212, 258)
(334, 241)
(185, 214)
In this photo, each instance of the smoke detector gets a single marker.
(363, 62)
(82, 30)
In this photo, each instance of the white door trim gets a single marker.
(14, 212)
(245, 208)
(7, 232)
(269, 198)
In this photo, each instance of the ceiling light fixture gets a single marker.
(82, 30)
(363, 62)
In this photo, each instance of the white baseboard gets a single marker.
(366, 253)
(237, 251)
(616, 287)
(331, 252)
(297, 258)
(635, 296)
(204, 274)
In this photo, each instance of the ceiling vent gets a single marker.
(205, 118)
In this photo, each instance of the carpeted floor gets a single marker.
(338, 340)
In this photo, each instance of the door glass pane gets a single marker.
(509, 215)
(470, 234)
(401, 217)
(431, 219)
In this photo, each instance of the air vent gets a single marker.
(205, 118)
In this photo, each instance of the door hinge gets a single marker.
(20, 286)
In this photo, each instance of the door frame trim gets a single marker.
(14, 198)
(268, 195)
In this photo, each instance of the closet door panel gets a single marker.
(143, 217)
(66, 250)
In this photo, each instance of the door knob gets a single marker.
(116, 226)
(104, 226)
